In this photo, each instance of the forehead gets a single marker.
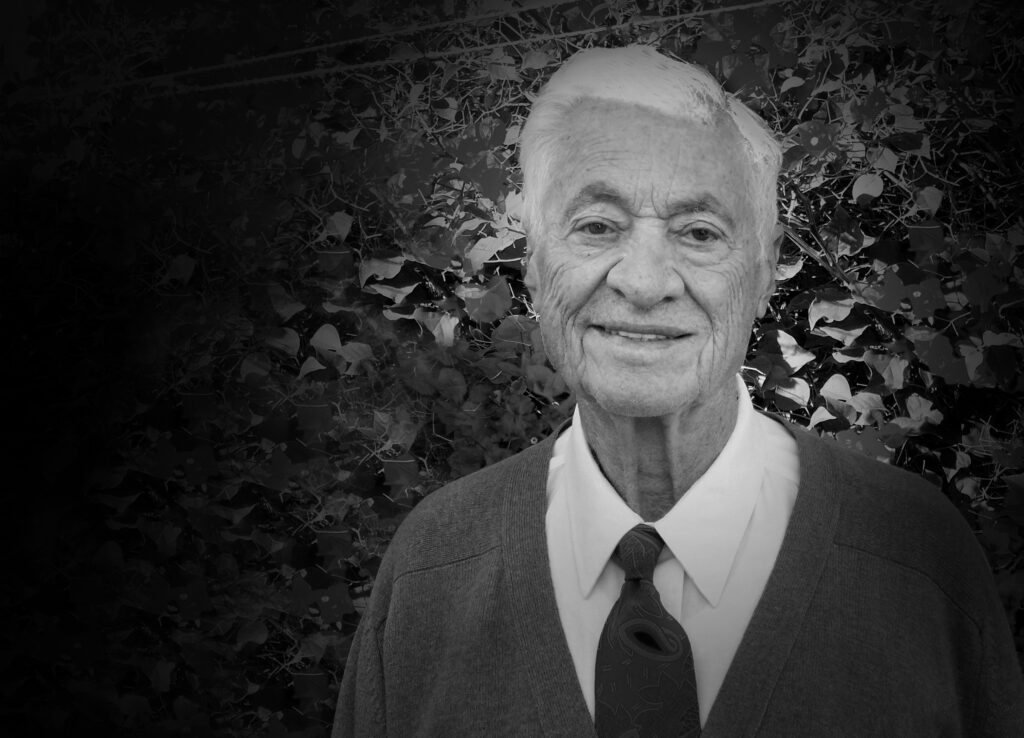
(649, 158)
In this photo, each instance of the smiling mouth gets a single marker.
(644, 334)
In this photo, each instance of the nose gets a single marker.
(645, 275)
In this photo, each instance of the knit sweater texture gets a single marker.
(880, 618)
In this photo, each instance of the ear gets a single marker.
(771, 259)
(529, 275)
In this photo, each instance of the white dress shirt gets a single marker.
(722, 538)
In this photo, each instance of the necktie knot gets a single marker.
(638, 552)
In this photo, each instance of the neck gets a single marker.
(652, 462)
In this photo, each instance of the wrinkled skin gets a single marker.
(648, 227)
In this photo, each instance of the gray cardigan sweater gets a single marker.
(880, 618)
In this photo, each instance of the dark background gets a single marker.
(252, 314)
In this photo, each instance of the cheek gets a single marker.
(562, 289)
(732, 309)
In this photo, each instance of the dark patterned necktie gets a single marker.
(645, 685)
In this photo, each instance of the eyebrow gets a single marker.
(603, 192)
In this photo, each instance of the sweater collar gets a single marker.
(766, 643)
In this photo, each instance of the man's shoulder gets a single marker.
(896, 515)
(464, 518)
(876, 493)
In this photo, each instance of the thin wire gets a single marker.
(433, 55)
(168, 76)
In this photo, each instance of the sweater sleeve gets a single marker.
(360, 711)
(1003, 686)
(360, 708)
(1000, 685)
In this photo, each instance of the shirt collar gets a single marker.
(703, 530)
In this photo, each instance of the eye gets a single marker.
(702, 234)
(596, 228)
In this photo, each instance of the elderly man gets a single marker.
(671, 562)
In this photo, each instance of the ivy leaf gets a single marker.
(989, 338)
(337, 225)
(402, 51)
(867, 186)
(284, 304)
(815, 136)
(870, 407)
(284, 339)
(928, 199)
(911, 142)
(356, 354)
(180, 270)
(936, 351)
(310, 688)
(451, 384)
(922, 410)
(397, 295)
(843, 234)
(380, 268)
(536, 60)
(866, 110)
(310, 365)
(544, 382)
(926, 298)
(883, 158)
(512, 336)
(926, 238)
(981, 285)
(820, 415)
(334, 546)
(790, 83)
(315, 418)
(846, 336)
(255, 368)
(1014, 506)
(442, 325)
(491, 182)
(779, 345)
(483, 250)
(326, 341)
(398, 429)
(401, 473)
(962, 460)
(793, 394)
(312, 648)
(501, 66)
(255, 631)
(826, 305)
(888, 294)
(784, 271)
(485, 305)
(836, 389)
(892, 368)
(160, 675)
(334, 603)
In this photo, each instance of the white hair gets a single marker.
(642, 76)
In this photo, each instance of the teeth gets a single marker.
(640, 336)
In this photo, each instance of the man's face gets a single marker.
(646, 269)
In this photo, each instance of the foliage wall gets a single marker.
(255, 312)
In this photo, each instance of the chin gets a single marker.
(641, 402)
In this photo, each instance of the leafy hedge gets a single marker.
(257, 312)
